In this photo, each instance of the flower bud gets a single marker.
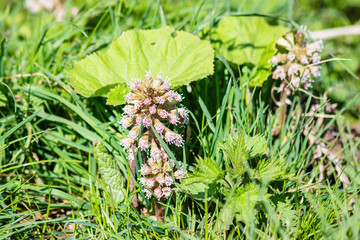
(168, 180)
(279, 73)
(274, 60)
(143, 119)
(158, 192)
(150, 182)
(138, 105)
(130, 110)
(166, 192)
(169, 135)
(147, 193)
(134, 133)
(145, 170)
(129, 97)
(144, 142)
(135, 85)
(304, 60)
(152, 109)
(133, 150)
(162, 113)
(179, 174)
(160, 178)
(159, 100)
(294, 69)
(147, 101)
(159, 126)
(315, 71)
(126, 143)
(157, 82)
(127, 121)
(183, 113)
(148, 79)
(291, 56)
(315, 58)
(173, 118)
(178, 141)
(143, 181)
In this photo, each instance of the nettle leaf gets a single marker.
(110, 172)
(256, 145)
(247, 40)
(205, 177)
(235, 149)
(240, 205)
(269, 170)
(198, 190)
(287, 214)
(180, 56)
(206, 171)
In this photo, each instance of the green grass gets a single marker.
(50, 186)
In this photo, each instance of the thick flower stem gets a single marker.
(159, 210)
(135, 202)
(282, 109)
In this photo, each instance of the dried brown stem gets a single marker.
(336, 32)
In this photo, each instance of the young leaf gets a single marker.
(240, 205)
(269, 170)
(287, 214)
(256, 145)
(204, 178)
(235, 149)
(197, 190)
(109, 172)
(180, 56)
(207, 171)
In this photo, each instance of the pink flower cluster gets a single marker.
(152, 103)
(296, 60)
(157, 178)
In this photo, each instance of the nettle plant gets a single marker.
(141, 69)
(249, 186)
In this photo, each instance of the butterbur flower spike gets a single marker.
(152, 102)
(157, 177)
(293, 58)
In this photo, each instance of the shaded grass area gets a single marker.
(50, 184)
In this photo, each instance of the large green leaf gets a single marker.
(247, 40)
(110, 172)
(262, 70)
(243, 39)
(180, 56)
